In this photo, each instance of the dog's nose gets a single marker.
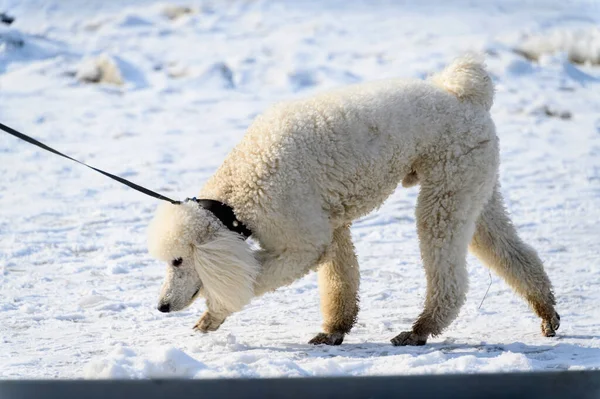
(164, 307)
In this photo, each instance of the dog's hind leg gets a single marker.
(339, 279)
(451, 198)
(498, 246)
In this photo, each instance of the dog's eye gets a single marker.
(177, 262)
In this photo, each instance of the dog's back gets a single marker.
(355, 144)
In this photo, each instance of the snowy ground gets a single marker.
(78, 290)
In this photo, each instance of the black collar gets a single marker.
(225, 214)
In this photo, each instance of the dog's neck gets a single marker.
(225, 214)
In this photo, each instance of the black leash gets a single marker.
(126, 182)
(222, 211)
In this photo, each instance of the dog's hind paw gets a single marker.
(327, 339)
(208, 322)
(549, 327)
(408, 338)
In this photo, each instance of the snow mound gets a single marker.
(216, 76)
(101, 69)
(111, 70)
(581, 46)
(173, 11)
(125, 363)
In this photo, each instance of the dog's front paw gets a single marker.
(208, 322)
(408, 338)
(549, 327)
(327, 339)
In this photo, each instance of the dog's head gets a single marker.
(203, 258)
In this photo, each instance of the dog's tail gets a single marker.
(468, 80)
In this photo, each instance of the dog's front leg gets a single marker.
(212, 319)
(339, 279)
(209, 322)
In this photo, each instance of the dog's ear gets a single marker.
(228, 269)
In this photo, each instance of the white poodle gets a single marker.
(306, 169)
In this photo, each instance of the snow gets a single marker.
(78, 291)
(582, 46)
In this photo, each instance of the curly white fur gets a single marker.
(467, 79)
(307, 168)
